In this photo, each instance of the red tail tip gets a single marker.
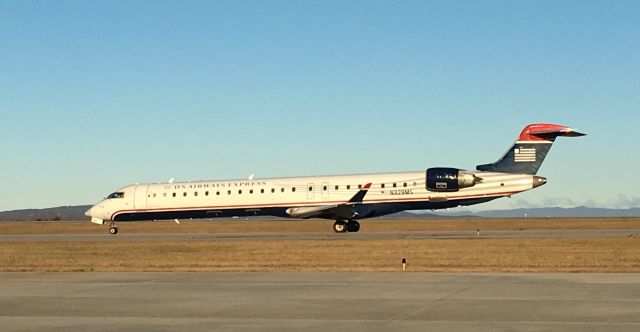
(545, 132)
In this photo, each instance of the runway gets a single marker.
(319, 302)
(321, 235)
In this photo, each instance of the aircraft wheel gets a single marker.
(353, 226)
(340, 226)
(113, 230)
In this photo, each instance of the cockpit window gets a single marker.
(116, 195)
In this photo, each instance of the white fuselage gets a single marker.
(388, 193)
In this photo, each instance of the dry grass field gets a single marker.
(478, 254)
(280, 225)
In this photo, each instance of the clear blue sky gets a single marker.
(95, 95)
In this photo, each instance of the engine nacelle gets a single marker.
(450, 179)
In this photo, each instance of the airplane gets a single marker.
(343, 198)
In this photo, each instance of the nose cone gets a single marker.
(539, 181)
(88, 212)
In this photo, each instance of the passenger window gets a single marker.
(273, 190)
(251, 191)
(184, 194)
(174, 194)
(382, 185)
(195, 193)
(206, 193)
(228, 192)
(394, 185)
(337, 187)
(310, 188)
(348, 186)
(164, 194)
(217, 193)
(404, 184)
(239, 192)
(262, 191)
(359, 186)
(293, 189)
(324, 188)
(281, 190)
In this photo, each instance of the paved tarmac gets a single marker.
(319, 302)
(329, 235)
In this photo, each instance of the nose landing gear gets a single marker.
(342, 226)
(113, 229)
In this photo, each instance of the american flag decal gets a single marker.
(522, 155)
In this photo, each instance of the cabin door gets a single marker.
(140, 197)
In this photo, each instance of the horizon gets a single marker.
(98, 95)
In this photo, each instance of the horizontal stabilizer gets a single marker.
(546, 132)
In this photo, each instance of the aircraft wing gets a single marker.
(344, 211)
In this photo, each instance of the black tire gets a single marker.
(113, 230)
(353, 226)
(340, 226)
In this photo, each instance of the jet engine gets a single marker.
(450, 179)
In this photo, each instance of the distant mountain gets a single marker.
(77, 213)
(50, 214)
(580, 211)
(410, 215)
(429, 215)
(66, 213)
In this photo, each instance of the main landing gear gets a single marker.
(343, 226)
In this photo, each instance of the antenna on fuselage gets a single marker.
(250, 178)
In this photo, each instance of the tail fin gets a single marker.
(528, 152)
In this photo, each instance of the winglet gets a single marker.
(359, 196)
